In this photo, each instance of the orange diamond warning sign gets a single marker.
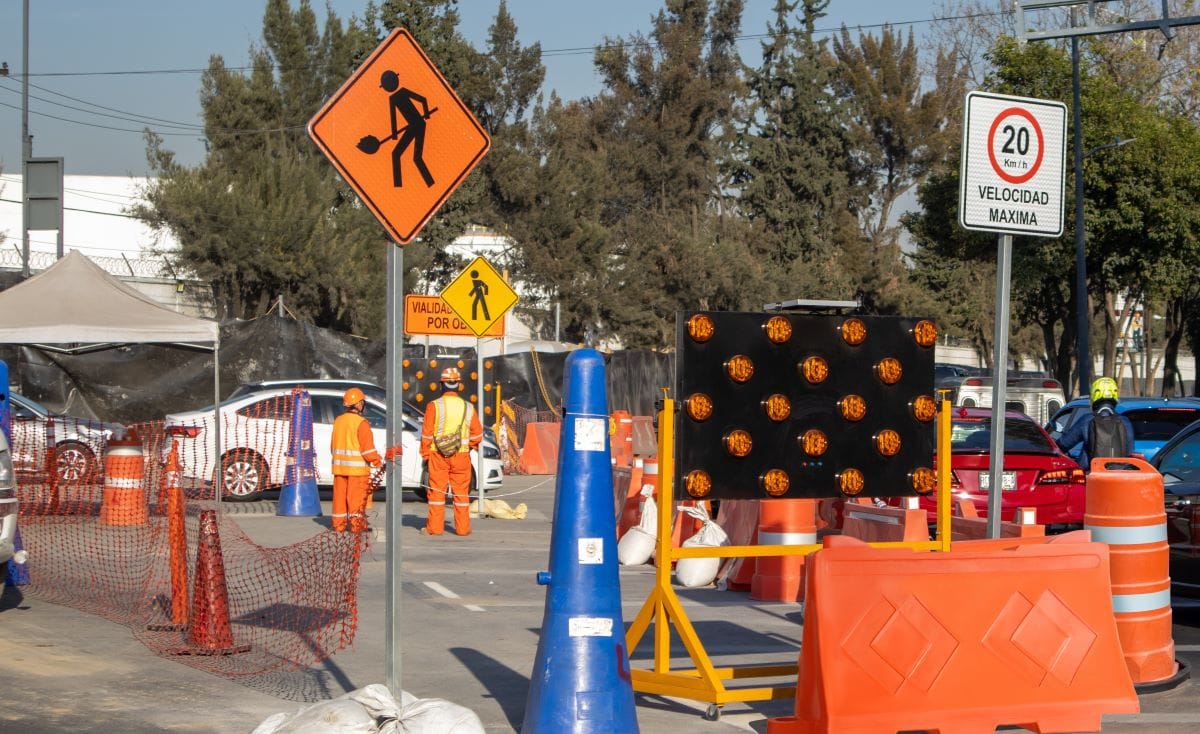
(399, 135)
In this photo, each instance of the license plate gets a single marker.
(1008, 481)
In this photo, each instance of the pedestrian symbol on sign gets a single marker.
(479, 290)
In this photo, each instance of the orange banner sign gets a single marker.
(433, 316)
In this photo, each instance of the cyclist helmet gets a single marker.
(1105, 388)
(353, 396)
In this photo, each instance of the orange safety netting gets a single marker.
(97, 529)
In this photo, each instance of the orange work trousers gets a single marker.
(350, 496)
(455, 472)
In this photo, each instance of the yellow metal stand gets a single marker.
(705, 682)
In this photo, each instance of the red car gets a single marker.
(1036, 471)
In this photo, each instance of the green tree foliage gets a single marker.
(262, 217)
(792, 165)
(897, 134)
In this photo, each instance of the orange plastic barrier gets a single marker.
(645, 437)
(896, 640)
(862, 519)
(123, 501)
(966, 524)
(783, 522)
(1124, 508)
(622, 438)
(539, 452)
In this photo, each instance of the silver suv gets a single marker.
(8, 506)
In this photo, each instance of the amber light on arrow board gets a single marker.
(775, 482)
(854, 331)
(815, 370)
(699, 407)
(778, 329)
(698, 483)
(700, 328)
(740, 368)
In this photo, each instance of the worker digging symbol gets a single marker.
(479, 289)
(402, 100)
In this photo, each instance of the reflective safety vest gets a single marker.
(347, 454)
(451, 411)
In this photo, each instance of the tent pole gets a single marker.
(218, 476)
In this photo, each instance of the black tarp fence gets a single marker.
(141, 382)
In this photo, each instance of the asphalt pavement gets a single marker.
(471, 613)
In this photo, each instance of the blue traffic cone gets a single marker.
(298, 496)
(581, 680)
(18, 571)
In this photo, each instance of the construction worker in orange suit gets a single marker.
(354, 454)
(450, 414)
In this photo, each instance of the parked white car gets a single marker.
(254, 443)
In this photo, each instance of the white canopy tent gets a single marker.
(74, 307)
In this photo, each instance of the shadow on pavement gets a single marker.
(505, 685)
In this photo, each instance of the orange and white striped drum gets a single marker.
(1124, 508)
(124, 498)
(783, 522)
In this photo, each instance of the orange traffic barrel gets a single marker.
(783, 522)
(1124, 508)
(622, 439)
(124, 499)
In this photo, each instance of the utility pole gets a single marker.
(26, 141)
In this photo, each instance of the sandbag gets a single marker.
(500, 509)
(636, 546)
(373, 710)
(692, 573)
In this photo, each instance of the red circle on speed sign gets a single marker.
(1015, 145)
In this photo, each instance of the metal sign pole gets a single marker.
(394, 483)
(479, 410)
(999, 383)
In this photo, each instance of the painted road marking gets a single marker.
(443, 591)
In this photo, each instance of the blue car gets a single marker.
(1155, 420)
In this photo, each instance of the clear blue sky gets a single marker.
(142, 59)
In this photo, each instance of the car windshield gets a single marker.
(1182, 462)
(975, 434)
(32, 405)
(1159, 424)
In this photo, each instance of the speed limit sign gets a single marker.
(1013, 159)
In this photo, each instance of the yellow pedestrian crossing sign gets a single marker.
(479, 296)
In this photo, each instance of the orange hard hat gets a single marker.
(450, 374)
(353, 396)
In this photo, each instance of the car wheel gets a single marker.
(244, 476)
(76, 463)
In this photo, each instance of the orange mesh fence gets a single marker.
(97, 529)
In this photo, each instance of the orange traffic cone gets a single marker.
(210, 632)
(177, 542)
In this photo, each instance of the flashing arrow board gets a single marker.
(1013, 160)
(432, 316)
(399, 135)
(479, 295)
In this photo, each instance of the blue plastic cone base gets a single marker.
(581, 680)
(18, 573)
(299, 499)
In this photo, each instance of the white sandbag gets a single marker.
(435, 716)
(692, 573)
(637, 544)
(635, 547)
(373, 710)
(357, 712)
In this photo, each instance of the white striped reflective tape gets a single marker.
(1128, 535)
(125, 451)
(786, 538)
(122, 483)
(872, 517)
(1129, 603)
